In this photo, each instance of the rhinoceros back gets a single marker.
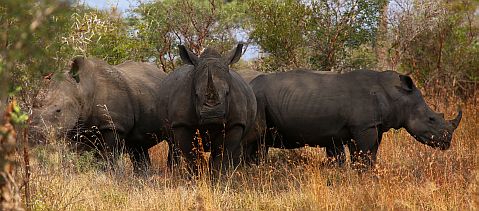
(309, 108)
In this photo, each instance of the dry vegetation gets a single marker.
(434, 40)
(409, 175)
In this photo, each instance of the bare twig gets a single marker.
(9, 196)
(26, 159)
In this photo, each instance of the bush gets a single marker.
(437, 42)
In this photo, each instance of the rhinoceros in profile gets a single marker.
(118, 100)
(206, 95)
(333, 110)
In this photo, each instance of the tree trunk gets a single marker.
(381, 48)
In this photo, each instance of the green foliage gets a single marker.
(279, 27)
(441, 51)
(101, 34)
(86, 161)
(31, 37)
(31, 42)
(163, 25)
(321, 34)
(42, 36)
(60, 154)
(360, 57)
(18, 117)
(337, 28)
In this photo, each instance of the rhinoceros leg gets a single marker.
(183, 138)
(140, 158)
(255, 149)
(364, 147)
(226, 150)
(255, 152)
(112, 146)
(265, 140)
(336, 154)
(173, 155)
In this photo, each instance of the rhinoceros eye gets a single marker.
(58, 110)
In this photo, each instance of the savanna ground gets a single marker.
(434, 40)
(409, 175)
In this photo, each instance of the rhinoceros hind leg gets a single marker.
(257, 150)
(255, 153)
(363, 148)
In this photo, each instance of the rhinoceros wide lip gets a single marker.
(212, 120)
(212, 116)
(442, 145)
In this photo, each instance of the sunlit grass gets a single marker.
(409, 175)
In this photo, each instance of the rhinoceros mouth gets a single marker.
(212, 116)
(37, 135)
(212, 120)
(433, 142)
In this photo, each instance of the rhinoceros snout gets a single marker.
(443, 145)
(446, 143)
(442, 142)
(212, 115)
(36, 135)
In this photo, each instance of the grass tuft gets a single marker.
(409, 175)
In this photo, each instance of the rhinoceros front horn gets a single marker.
(455, 122)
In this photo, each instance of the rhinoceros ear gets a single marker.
(187, 56)
(235, 54)
(406, 83)
(77, 64)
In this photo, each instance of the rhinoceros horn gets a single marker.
(211, 93)
(455, 122)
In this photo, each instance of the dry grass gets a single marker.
(409, 176)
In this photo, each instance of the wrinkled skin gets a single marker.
(117, 100)
(333, 110)
(206, 95)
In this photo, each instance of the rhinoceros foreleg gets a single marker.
(111, 147)
(173, 155)
(364, 147)
(336, 154)
(226, 150)
(140, 158)
(183, 139)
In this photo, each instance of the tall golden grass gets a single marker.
(408, 176)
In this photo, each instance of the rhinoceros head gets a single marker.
(211, 82)
(58, 106)
(425, 125)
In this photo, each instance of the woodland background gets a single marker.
(436, 42)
